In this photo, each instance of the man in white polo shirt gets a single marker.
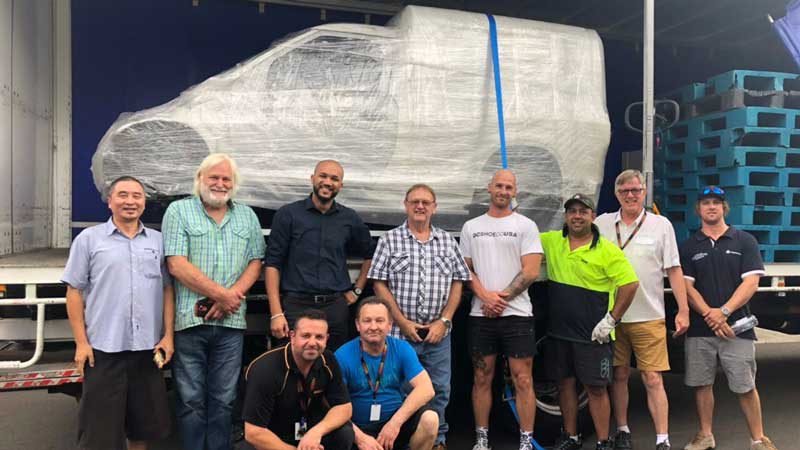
(648, 241)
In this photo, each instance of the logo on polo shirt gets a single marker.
(731, 252)
(699, 256)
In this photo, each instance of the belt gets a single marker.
(316, 298)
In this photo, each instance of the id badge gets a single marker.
(375, 413)
(300, 429)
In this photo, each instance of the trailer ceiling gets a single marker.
(679, 23)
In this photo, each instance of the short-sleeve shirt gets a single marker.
(652, 250)
(310, 249)
(419, 274)
(582, 284)
(717, 268)
(122, 281)
(495, 246)
(401, 366)
(221, 251)
(273, 393)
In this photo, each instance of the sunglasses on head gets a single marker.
(713, 190)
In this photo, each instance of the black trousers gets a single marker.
(336, 310)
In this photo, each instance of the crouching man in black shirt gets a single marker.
(295, 394)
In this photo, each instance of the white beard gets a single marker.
(213, 199)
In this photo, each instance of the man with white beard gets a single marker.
(214, 248)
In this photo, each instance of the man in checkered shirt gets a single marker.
(419, 270)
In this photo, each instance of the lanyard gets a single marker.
(302, 393)
(635, 230)
(378, 377)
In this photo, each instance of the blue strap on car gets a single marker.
(498, 90)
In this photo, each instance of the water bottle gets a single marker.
(744, 324)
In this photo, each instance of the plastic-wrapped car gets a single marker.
(413, 101)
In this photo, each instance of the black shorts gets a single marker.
(514, 336)
(124, 396)
(406, 431)
(590, 363)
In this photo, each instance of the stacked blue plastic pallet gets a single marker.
(740, 130)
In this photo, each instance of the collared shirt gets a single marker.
(273, 396)
(122, 281)
(310, 249)
(651, 251)
(221, 251)
(581, 284)
(419, 274)
(717, 268)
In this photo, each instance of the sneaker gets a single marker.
(481, 444)
(622, 441)
(765, 444)
(607, 444)
(567, 443)
(663, 446)
(700, 442)
(525, 444)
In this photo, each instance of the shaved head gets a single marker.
(504, 175)
(328, 162)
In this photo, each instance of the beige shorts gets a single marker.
(646, 340)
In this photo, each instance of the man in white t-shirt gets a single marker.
(503, 251)
(648, 241)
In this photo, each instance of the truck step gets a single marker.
(39, 378)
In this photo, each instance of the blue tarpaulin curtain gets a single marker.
(788, 27)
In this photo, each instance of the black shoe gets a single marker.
(605, 445)
(622, 441)
(663, 446)
(567, 443)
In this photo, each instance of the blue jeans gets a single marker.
(206, 368)
(436, 361)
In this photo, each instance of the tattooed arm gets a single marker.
(531, 263)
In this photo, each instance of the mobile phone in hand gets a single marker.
(202, 307)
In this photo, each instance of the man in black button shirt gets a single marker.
(721, 266)
(295, 394)
(306, 260)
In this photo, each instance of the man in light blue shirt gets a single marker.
(121, 310)
(214, 248)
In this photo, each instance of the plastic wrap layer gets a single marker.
(410, 102)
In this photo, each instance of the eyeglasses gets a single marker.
(425, 203)
(713, 190)
(634, 191)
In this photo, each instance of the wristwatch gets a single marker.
(357, 290)
(448, 325)
(725, 311)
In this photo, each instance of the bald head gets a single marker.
(506, 176)
(330, 165)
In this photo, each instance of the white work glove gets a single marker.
(602, 331)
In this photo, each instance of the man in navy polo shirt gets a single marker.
(721, 266)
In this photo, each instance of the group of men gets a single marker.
(137, 300)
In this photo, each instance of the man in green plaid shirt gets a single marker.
(214, 248)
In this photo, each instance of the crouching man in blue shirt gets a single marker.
(121, 309)
(375, 368)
